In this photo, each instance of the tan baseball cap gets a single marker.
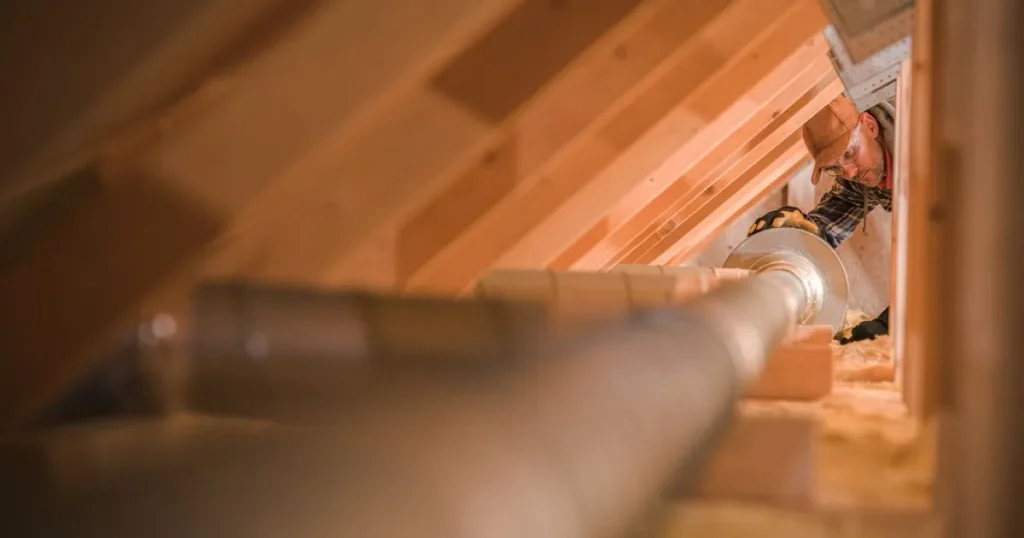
(827, 134)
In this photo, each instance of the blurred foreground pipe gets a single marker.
(580, 443)
(282, 351)
(258, 322)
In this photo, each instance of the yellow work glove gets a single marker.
(784, 217)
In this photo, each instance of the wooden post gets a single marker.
(920, 309)
(901, 224)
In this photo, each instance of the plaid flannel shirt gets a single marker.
(843, 208)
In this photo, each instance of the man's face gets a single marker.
(863, 161)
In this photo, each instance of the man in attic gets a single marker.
(855, 150)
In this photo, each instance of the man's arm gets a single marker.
(835, 218)
(840, 211)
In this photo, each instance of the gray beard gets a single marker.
(879, 173)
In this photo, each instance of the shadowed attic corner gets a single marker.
(404, 186)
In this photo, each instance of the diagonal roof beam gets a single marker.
(510, 155)
(759, 183)
(529, 230)
(695, 166)
(663, 234)
(178, 195)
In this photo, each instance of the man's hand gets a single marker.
(866, 330)
(784, 217)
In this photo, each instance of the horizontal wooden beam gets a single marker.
(752, 520)
(694, 168)
(811, 334)
(795, 372)
(73, 461)
(765, 459)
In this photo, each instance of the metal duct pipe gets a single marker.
(751, 314)
(278, 352)
(582, 441)
(754, 317)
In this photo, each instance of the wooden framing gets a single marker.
(496, 170)
(766, 459)
(603, 81)
(516, 168)
(84, 280)
(735, 201)
(127, 63)
(478, 134)
(778, 152)
(711, 102)
(901, 225)
(776, 457)
(918, 318)
(596, 172)
(797, 371)
(179, 193)
(464, 137)
(683, 175)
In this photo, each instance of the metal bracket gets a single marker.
(873, 80)
(869, 26)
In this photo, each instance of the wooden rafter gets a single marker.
(328, 116)
(121, 64)
(179, 194)
(751, 38)
(513, 155)
(696, 166)
(704, 225)
(783, 135)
